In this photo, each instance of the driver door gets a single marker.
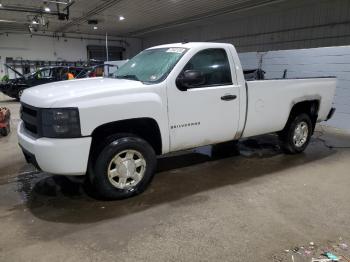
(206, 113)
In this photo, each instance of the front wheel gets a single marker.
(123, 168)
(296, 135)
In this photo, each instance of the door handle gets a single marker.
(228, 97)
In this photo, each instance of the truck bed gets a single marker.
(269, 102)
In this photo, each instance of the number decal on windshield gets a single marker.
(176, 50)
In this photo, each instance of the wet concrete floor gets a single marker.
(208, 204)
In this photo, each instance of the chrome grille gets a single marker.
(30, 118)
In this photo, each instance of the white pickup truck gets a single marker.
(165, 99)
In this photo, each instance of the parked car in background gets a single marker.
(15, 87)
(254, 74)
(106, 69)
(91, 71)
(111, 67)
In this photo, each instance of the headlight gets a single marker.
(61, 123)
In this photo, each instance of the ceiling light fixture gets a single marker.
(35, 20)
(7, 21)
(0, 5)
(121, 18)
(95, 27)
(47, 9)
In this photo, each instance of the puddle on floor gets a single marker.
(40, 187)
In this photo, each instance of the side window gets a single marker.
(46, 73)
(213, 65)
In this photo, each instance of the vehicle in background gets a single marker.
(111, 67)
(107, 69)
(15, 87)
(91, 71)
(254, 74)
(167, 98)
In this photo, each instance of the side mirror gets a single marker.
(190, 79)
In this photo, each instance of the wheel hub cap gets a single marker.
(126, 169)
(301, 134)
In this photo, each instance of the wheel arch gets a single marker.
(310, 107)
(145, 128)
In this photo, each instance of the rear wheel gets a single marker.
(124, 167)
(296, 135)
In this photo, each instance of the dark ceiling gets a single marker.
(141, 16)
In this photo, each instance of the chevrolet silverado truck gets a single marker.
(167, 98)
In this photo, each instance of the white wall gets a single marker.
(328, 61)
(53, 49)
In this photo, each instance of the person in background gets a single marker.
(70, 75)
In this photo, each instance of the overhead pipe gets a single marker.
(39, 11)
(238, 7)
(95, 11)
(121, 41)
(13, 8)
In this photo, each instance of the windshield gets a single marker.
(150, 66)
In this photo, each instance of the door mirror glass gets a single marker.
(190, 79)
(209, 67)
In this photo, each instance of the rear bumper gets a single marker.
(331, 113)
(55, 156)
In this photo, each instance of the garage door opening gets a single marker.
(99, 53)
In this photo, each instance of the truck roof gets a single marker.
(192, 45)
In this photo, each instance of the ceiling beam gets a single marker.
(243, 6)
(95, 11)
(23, 9)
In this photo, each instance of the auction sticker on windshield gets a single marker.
(178, 50)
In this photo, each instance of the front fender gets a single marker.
(105, 110)
(100, 111)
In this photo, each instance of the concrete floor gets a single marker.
(223, 207)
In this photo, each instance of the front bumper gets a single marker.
(55, 156)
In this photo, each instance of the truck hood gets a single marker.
(72, 91)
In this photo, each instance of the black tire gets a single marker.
(286, 136)
(19, 94)
(112, 146)
(5, 131)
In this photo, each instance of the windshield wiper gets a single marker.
(129, 77)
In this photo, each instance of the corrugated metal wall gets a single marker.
(328, 61)
(287, 25)
(291, 26)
